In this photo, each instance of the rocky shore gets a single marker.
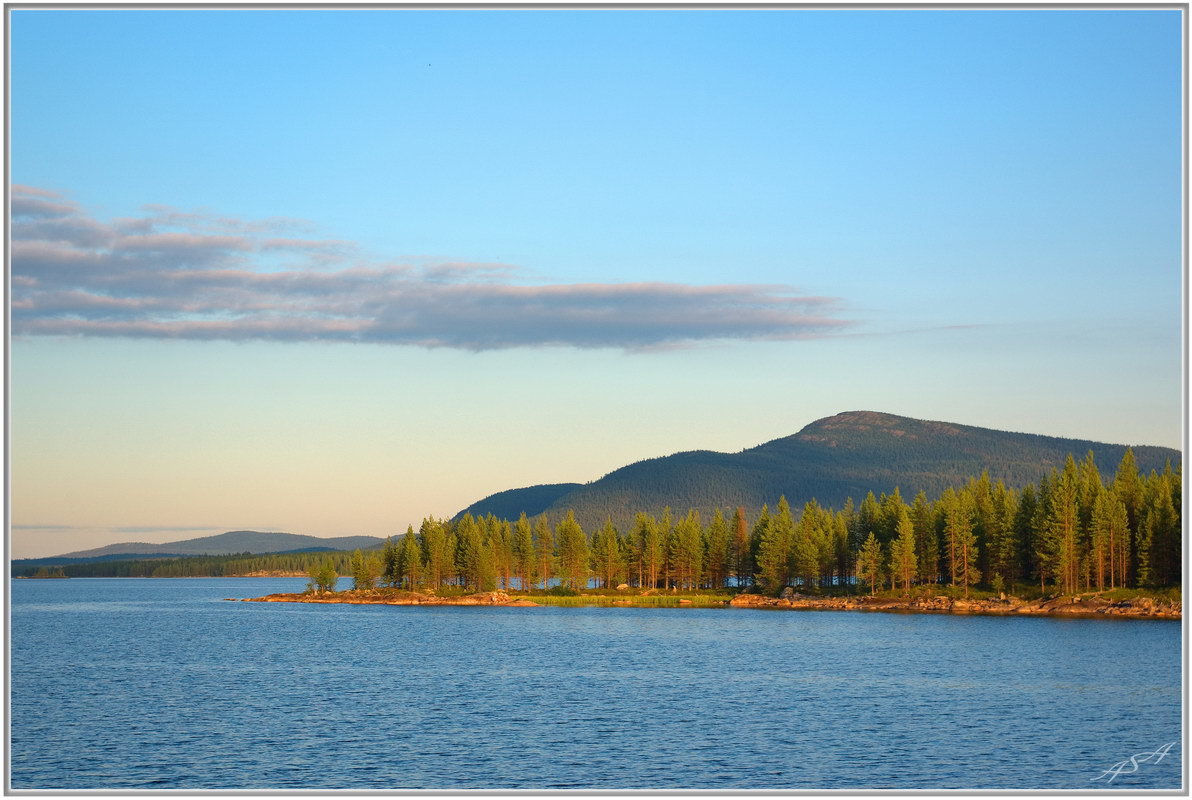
(1077, 605)
(1067, 606)
(391, 599)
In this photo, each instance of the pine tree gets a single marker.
(606, 555)
(573, 552)
(716, 556)
(469, 555)
(804, 550)
(437, 554)
(1063, 529)
(867, 520)
(903, 561)
(650, 545)
(391, 562)
(1001, 541)
(1127, 485)
(927, 547)
(410, 559)
(687, 551)
(967, 552)
(846, 557)
(958, 525)
(666, 533)
(890, 509)
(844, 560)
(523, 552)
(544, 550)
(869, 562)
(774, 546)
(500, 538)
(1101, 534)
(1158, 534)
(365, 570)
(742, 569)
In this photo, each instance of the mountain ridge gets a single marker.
(830, 459)
(227, 543)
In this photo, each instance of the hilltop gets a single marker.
(220, 544)
(830, 460)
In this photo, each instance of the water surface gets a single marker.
(161, 684)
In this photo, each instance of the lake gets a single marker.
(161, 684)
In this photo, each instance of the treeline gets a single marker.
(200, 566)
(1074, 530)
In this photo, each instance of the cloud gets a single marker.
(172, 274)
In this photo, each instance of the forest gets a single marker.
(1075, 530)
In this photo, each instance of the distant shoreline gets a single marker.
(1077, 606)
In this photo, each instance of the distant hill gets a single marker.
(831, 459)
(222, 544)
(510, 504)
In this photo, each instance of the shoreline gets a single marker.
(1075, 606)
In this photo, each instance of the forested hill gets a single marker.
(847, 455)
(510, 504)
(230, 542)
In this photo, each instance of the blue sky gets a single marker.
(331, 271)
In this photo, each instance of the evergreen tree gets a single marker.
(869, 562)
(436, 553)
(410, 560)
(967, 552)
(687, 550)
(774, 545)
(716, 556)
(606, 555)
(365, 570)
(742, 569)
(1001, 539)
(844, 561)
(544, 550)
(666, 532)
(1100, 549)
(804, 549)
(500, 538)
(890, 509)
(868, 520)
(391, 562)
(1127, 485)
(958, 525)
(573, 552)
(1158, 535)
(903, 561)
(927, 547)
(650, 544)
(1063, 524)
(523, 552)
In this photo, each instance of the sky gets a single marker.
(332, 271)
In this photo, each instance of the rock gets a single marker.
(683, 601)
(621, 587)
(749, 600)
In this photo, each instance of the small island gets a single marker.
(1096, 605)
